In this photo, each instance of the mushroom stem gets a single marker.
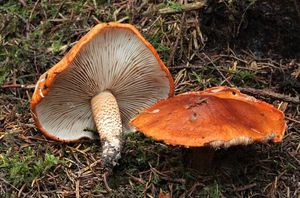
(108, 122)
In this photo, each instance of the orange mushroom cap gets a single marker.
(217, 117)
(111, 56)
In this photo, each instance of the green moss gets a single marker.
(3, 74)
(212, 191)
(242, 77)
(23, 167)
(175, 6)
(160, 47)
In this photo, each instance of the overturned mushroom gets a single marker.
(108, 77)
(216, 117)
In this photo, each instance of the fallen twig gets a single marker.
(105, 182)
(270, 94)
(246, 187)
(218, 70)
(171, 57)
(183, 8)
(77, 184)
(139, 180)
(14, 86)
(293, 120)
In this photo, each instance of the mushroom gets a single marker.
(108, 77)
(216, 117)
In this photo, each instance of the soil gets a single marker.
(253, 43)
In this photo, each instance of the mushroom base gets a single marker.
(108, 122)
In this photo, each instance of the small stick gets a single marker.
(77, 189)
(190, 66)
(14, 86)
(292, 120)
(172, 54)
(183, 8)
(136, 179)
(105, 181)
(216, 67)
(246, 187)
(267, 93)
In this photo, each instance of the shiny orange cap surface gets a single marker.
(217, 117)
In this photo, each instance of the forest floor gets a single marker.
(243, 44)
